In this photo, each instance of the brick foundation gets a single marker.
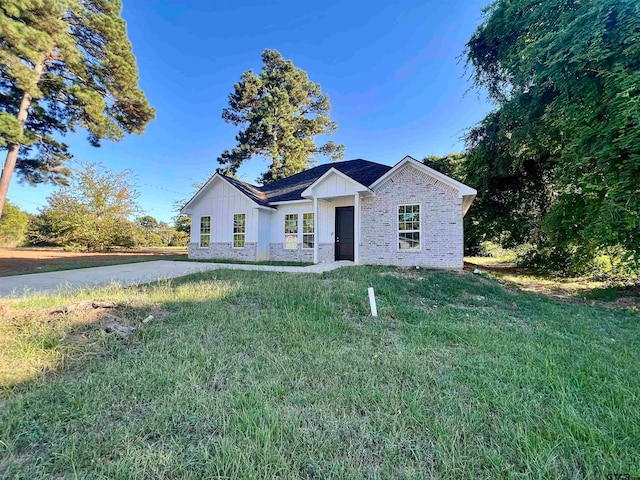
(278, 253)
(223, 251)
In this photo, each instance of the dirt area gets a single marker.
(17, 261)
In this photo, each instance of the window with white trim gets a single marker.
(409, 227)
(239, 229)
(291, 231)
(205, 231)
(308, 230)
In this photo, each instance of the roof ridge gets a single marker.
(329, 165)
(290, 188)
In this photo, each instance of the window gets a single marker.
(205, 231)
(308, 230)
(291, 231)
(239, 227)
(409, 227)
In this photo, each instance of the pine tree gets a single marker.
(282, 112)
(64, 65)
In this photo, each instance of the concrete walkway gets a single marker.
(132, 274)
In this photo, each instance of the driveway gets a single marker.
(132, 274)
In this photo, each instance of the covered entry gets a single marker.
(344, 234)
(336, 204)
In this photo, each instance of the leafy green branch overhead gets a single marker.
(281, 112)
(64, 65)
(559, 158)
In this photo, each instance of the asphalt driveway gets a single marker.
(132, 274)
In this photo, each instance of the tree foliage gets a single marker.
(557, 163)
(281, 112)
(454, 166)
(153, 233)
(13, 226)
(450, 164)
(182, 223)
(92, 213)
(64, 65)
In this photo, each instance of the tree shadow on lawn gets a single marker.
(71, 380)
(613, 294)
(246, 374)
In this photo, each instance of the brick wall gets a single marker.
(223, 251)
(441, 236)
(326, 253)
(278, 253)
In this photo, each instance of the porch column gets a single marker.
(316, 232)
(356, 228)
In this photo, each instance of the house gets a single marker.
(357, 210)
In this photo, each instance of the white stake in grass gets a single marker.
(372, 302)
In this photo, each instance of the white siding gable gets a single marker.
(221, 201)
(334, 184)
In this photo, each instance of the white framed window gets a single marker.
(205, 231)
(239, 229)
(308, 230)
(291, 231)
(409, 227)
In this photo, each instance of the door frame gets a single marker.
(353, 231)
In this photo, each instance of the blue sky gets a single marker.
(393, 72)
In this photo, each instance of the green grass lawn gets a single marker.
(262, 375)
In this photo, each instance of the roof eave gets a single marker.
(461, 187)
(467, 200)
(186, 210)
(308, 192)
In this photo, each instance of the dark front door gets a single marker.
(344, 233)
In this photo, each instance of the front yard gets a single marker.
(258, 375)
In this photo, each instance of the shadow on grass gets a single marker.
(47, 332)
(618, 294)
(265, 374)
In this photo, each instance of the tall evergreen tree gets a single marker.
(281, 112)
(64, 64)
(561, 154)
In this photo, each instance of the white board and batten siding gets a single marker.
(264, 232)
(221, 202)
(334, 185)
(325, 222)
(333, 190)
(276, 233)
(327, 217)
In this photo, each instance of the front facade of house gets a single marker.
(356, 210)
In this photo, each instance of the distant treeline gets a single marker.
(97, 211)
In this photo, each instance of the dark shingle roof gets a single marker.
(290, 188)
(249, 190)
